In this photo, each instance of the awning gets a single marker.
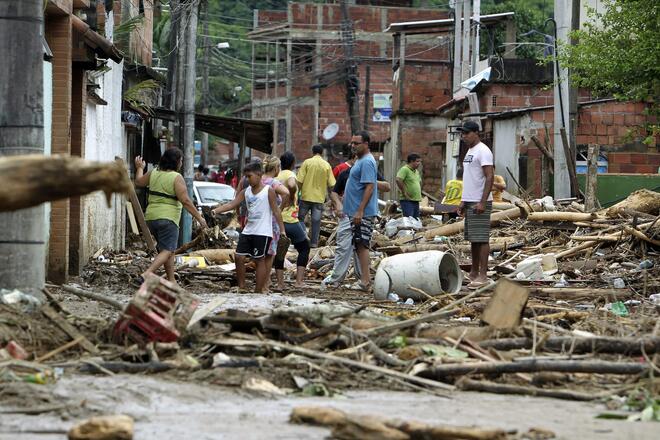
(101, 45)
(258, 134)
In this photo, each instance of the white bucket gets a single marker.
(434, 272)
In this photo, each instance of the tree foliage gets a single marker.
(618, 51)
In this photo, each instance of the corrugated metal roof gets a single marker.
(259, 134)
(446, 22)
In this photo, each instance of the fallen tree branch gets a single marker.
(90, 295)
(627, 346)
(497, 388)
(330, 358)
(534, 365)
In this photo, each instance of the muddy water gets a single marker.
(170, 410)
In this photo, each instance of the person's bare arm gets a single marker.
(368, 190)
(231, 205)
(284, 193)
(272, 201)
(141, 179)
(336, 201)
(182, 194)
(383, 186)
(488, 186)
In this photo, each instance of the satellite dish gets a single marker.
(330, 131)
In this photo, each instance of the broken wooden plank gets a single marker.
(505, 308)
(68, 329)
(131, 218)
(90, 295)
(59, 350)
(137, 210)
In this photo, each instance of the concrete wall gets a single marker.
(102, 226)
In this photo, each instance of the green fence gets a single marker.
(613, 188)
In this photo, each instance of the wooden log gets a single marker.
(215, 256)
(560, 216)
(440, 372)
(591, 184)
(457, 228)
(497, 388)
(127, 367)
(641, 236)
(625, 346)
(30, 180)
(575, 250)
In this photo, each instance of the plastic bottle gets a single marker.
(393, 297)
(646, 264)
(619, 283)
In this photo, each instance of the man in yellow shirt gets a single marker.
(454, 190)
(315, 179)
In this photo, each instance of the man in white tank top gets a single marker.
(258, 231)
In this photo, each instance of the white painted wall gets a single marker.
(505, 150)
(104, 226)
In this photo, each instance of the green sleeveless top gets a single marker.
(160, 207)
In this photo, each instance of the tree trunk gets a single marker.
(627, 346)
(23, 235)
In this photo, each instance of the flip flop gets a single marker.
(474, 285)
(358, 286)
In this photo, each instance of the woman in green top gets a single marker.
(167, 195)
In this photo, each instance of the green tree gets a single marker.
(617, 53)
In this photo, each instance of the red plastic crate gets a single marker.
(158, 312)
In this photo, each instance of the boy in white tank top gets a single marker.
(258, 232)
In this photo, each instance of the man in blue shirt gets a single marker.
(360, 209)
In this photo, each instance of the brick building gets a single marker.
(515, 106)
(83, 86)
(299, 74)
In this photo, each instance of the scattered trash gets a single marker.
(393, 297)
(262, 386)
(655, 298)
(409, 302)
(16, 297)
(618, 308)
(16, 351)
(646, 264)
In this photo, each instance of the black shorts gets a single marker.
(166, 233)
(254, 246)
(362, 233)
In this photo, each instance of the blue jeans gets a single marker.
(317, 212)
(410, 208)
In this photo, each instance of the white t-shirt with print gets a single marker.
(474, 178)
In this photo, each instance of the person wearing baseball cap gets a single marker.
(477, 201)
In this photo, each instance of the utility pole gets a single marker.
(467, 27)
(562, 186)
(352, 81)
(189, 111)
(22, 237)
(476, 14)
(205, 83)
(458, 39)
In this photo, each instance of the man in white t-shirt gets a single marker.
(477, 201)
